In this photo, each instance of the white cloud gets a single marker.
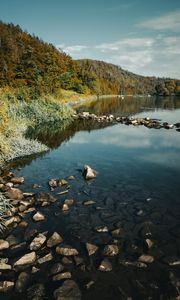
(169, 21)
(130, 42)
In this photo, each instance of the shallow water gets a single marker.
(138, 169)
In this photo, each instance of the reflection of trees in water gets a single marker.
(130, 105)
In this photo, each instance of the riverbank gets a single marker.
(16, 116)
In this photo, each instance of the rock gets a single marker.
(146, 258)
(89, 202)
(6, 286)
(89, 173)
(118, 233)
(36, 292)
(71, 178)
(68, 201)
(62, 182)
(54, 240)
(66, 250)
(91, 249)
(66, 261)
(14, 194)
(34, 270)
(43, 197)
(68, 291)
(4, 244)
(45, 258)
(111, 250)
(29, 234)
(4, 266)
(56, 268)
(38, 217)
(22, 282)
(27, 259)
(23, 224)
(9, 184)
(65, 207)
(140, 213)
(78, 260)
(36, 186)
(133, 263)
(101, 229)
(17, 180)
(105, 266)
(66, 275)
(37, 242)
(149, 243)
(172, 261)
(89, 284)
(53, 183)
(10, 221)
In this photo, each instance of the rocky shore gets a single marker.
(56, 246)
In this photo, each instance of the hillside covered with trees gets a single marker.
(35, 68)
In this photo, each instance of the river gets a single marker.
(137, 190)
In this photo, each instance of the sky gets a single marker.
(141, 36)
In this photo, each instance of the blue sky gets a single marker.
(139, 35)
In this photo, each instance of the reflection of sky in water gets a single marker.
(172, 116)
(130, 160)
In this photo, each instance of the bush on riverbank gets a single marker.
(18, 115)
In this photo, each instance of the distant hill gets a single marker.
(112, 79)
(34, 67)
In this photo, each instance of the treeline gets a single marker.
(35, 68)
(111, 79)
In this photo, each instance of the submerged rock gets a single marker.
(27, 259)
(111, 250)
(38, 217)
(89, 173)
(66, 250)
(6, 286)
(61, 276)
(89, 202)
(22, 281)
(68, 291)
(44, 197)
(105, 266)
(146, 258)
(91, 248)
(37, 242)
(36, 292)
(54, 240)
(56, 268)
(4, 244)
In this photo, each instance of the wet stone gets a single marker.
(69, 202)
(65, 207)
(68, 291)
(89, 173)
(118, 233)
(89, 202)
(66, 250)
(17, 180)
(54, 240)
(91, 248)
(66, 261)
(56, 268)
(27, 259)
(37, 242)
(38, 217)
(61, 276)
(14, 194)
(46, 258)
(146, 258)
(36, 292)
(43, 197)
(29, 234)
(4, 244)
(4, 266)
(136, 264)
(111, 250)
(23, 224)
(149, 243)
(101, 229)
(6, 286)
(105, 266)
(22, 281)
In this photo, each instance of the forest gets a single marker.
(35, 68)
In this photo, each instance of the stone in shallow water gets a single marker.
(89, 173)
(105, 266)
(111, 250)
(22, 281)
(91, 248)
(68, 291)
(43, 197)
(54, 240)
(38, 217)
(27, 259)
(29, 234)
(14, 194)
(89, 202)
(4, 266)
(101, 229)
(66, 250)
(68, 201)
(65, 207)
(53, 183)
(6, 286)
(36, 292)
(61, 276)
(146, 258)
(4, 245)
(45, 258)
(118, 233)
(17, 180)
(149, 243)
(37, 242)
(56, 268)
(133, 264)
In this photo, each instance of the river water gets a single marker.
(137, 189)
